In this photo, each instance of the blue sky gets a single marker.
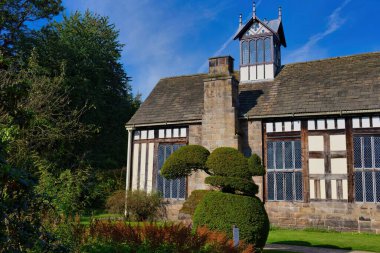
(176, 37)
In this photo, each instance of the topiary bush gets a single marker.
(192, 201)
(220, 211)
(255, 165)
(184, 160)
(233, 184)
(228, 162)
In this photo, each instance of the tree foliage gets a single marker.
(184, 161)
(255, 165)
(14, 18)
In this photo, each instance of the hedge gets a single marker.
(232, 184)
(184, 160)
(192, 201)
(228, 162)
(255, 165)
(220, 211)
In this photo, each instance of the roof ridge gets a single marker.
(333, 58)
(180, 76)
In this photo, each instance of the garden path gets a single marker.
(304, 249)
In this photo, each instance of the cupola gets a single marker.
(260, 47)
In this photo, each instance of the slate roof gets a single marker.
(321, 87)
(340, 84)
(173, 99)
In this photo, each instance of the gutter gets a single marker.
(164, 123)
(293, 115)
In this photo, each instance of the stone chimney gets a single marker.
(220, 112)
(221, 66)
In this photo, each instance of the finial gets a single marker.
(254, 9)
(241, 20)
(279, 13)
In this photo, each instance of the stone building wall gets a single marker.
(325, 215)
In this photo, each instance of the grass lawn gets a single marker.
(337, 240)
(85, 220)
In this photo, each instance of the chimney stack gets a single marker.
(221, 66)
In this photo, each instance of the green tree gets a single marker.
(14, 17)
(88, 48)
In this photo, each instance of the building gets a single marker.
(315, 124)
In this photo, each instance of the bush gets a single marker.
(106, 236)
(220, 211)
(143, 206)
(228, 162)
(115, 203)
(192, 201)
(255, 165)
(232, 184)
(184, 160)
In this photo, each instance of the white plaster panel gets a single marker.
(341, 124)
(252, 73)
(288, 126)
(330, 124)
(334, 194)
(316, 143)
(144, 135)
(376, 121)
(269, 127)
(316, 166)
(338, 142)
(161, 133)
(312, 189)
(297, 125)
(143, 166)
(278, 127)
(269, 71)
(151, 134)
(175, 132)
(168, 133)
(183, 132)
(321, 125)
(311, 125)
(150, 167)
(260, 72)
(135, 167)
(356, 123)
(345, 188)
(339, 166)
(323, 189)
(244, 74)
(365, 122)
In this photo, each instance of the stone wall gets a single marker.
(338, 216)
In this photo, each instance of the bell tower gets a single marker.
(260, 47)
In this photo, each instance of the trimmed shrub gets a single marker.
(255, 165)
(232, 184)
(184, 160)
(192, 201)
(220, 211)
(228, 162)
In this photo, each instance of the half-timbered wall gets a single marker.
(340, 170)
(151, 147)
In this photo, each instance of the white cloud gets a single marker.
(154, 34)
(311, 49)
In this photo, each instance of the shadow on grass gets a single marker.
(307, 244)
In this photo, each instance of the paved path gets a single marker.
(303, 249)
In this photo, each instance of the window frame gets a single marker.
(255, 38)
(292, 138)
(363, 170)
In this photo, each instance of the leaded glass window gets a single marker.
(268, 51)
(245, 53)
(367, 168)
(170, 189)
(252, 46)
(260, 51)
(284, 171)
